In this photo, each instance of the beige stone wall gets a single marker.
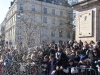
(10, 24)
(95, 23)
(98, 23)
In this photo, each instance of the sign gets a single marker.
(85, 23)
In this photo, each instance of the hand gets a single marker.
(45, 65)
(42, 64)
(80, 61)
(44, 69)
(57, 68)
(88, 59)
(61, 68)
(53, 72)
(99, 68)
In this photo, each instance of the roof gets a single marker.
(85, 1)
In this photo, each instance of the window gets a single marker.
(53, 21)
(60, 4)
(53, 42)
(44, 0)
(2, 28)
(45, 11)
(21, 6)
(61, 13)
(10, 43)
(20, 29)
(68, 35)
(53, 11)
(19, 37)
(6, 42)
(45, 19)
(43, 32)
(33, 8)
(53, 33)
(44, 42)
(60, 22)
(60, 33)
(52, 2)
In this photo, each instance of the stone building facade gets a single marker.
(33, 22)
(87, 20)
(2, 33)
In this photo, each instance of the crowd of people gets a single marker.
(52, 59)
(58, 57)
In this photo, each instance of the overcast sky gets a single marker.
(4, 6)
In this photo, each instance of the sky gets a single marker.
(4, 7)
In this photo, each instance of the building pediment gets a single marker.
(84, 3)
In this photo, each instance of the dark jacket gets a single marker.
(77, 58)
(52, 51)
(72, 57)
(86, 52)
(63, 60)
(45, 67)
(94, 58)
(49, 65)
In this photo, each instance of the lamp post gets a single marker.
(41, 22)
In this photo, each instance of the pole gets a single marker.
(41, 21)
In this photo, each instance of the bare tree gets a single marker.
(70, 19)
(28, 28)
(69, 22)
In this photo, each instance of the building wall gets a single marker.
(86, 36)
(92, 23)
(41, 31)
(10, 25)
(2, 33)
